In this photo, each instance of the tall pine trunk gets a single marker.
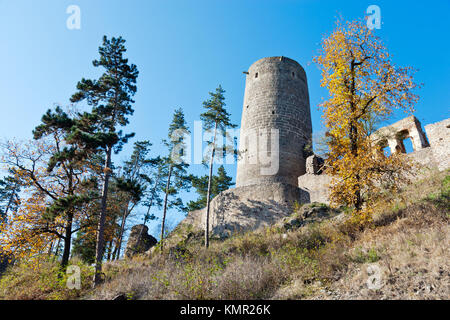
(67, 241)
(114, 254)
(208, 197)
(109, 251)
(122, 229)
(165, 207)
(102, 219)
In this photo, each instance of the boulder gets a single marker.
(139, 241)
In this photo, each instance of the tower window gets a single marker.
(293, 74)
(256, 75)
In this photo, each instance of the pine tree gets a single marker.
(135, 181)
(111, 99)
(174, 167)
(56, 178)
(217, 118)
(220, 182)
(69, 159)
(84, 247)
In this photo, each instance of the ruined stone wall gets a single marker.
(439, 137)
(431, 153)
(276, 97)
(317, 185)
(314, 181)
(394, 134)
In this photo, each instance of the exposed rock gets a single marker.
(248, 208)
(139, 241)
(309, 213)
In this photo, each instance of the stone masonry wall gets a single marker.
(317, 185)
(276, 97)
(439, 136)
(431, 153)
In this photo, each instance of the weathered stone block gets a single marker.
(139, 241)
(314, 164)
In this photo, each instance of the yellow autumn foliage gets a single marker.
(365, 87)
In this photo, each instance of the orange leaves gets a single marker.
(364, 87)
(30, 230)
(19, 235)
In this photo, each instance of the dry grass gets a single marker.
(408, 240)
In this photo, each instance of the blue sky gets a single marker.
(184, 49)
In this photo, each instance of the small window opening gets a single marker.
(256, 75)
(404, 142)
(387, 151)
(384, 148)
(408, 145)
(293, 74)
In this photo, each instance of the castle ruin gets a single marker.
(276, 167)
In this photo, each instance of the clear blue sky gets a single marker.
(184, 49)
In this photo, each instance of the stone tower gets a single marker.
(275, 132)
(276, 97)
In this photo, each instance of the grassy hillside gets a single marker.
(404, 251)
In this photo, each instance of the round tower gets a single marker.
(276, 125)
